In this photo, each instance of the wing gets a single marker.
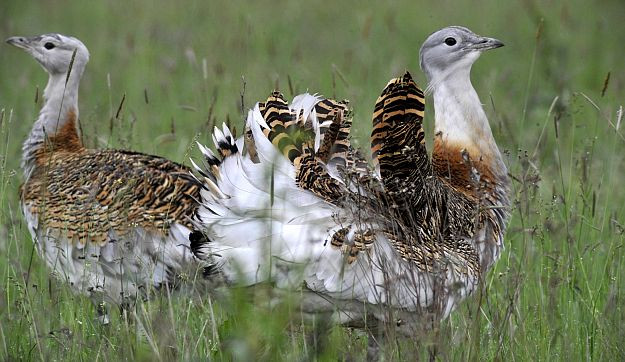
(112, 222)
(89, 194)
(398, 141)
(342, 155)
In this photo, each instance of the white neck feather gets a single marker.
(59, 100)
(460, 118)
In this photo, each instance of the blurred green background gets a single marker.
(552, 95)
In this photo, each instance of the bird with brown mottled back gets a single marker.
(113, 224)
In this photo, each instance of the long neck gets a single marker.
(462, 130)
(55, 128)
(467, 158)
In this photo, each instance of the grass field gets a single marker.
(553, 96)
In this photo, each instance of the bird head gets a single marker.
(452, 49)
(54, 51)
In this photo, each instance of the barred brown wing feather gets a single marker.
(284, 132)
(326, 109)
(312, 175)
(330, 136)
(341, 154)
(398, 139)
(294, 137)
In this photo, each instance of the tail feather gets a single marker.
(305, 106)
(286, 131)
(224, 141)
(326, 112)
(267, 153)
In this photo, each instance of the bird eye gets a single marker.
(49, 45)
(450, 41)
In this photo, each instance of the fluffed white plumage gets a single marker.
(116, 272)
(266, 228)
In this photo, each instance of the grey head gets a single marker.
(54, 51)
(452, 49)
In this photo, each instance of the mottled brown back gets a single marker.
(89, 193)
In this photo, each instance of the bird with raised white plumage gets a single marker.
(290, 204)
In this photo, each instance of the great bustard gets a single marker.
(291, 203)
(114, 224)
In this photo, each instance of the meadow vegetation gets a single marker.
(554, 96)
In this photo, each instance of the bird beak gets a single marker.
(484, 43)
(19, 41)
